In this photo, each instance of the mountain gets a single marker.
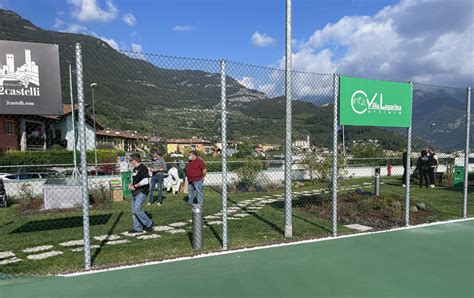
(174, 97)
(439, 116)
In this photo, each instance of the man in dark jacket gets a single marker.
(139, 188)
(423, 165)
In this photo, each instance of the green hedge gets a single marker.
(54, 157)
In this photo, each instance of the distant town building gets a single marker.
(302, 145)
(123, 140)
(195, 143)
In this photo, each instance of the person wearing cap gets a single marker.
(195, 173)
(139, 187)
(158, 171)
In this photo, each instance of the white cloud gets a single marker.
(58, 23)
(129, 19)
(75, 28)
(62, 26)
(137, 51)
(89, 10)
(110, 41)
(428, 41)
(247, 82)
(179, 28)
(261, 40)
(136, 48)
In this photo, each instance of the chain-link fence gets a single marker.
(72, 199)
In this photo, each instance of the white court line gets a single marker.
(205, 255)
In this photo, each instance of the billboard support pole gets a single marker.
(288, 154)
(224, 154)
(408, 168)
(334, 155)
(466, 151)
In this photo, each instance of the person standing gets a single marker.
(423, 165)
(433, 166)
(195, 172)
(139, 188)
(158, 171)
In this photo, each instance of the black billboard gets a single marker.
(30, 81)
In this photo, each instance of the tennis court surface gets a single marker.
(430, 261)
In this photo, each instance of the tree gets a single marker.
(244, 150)
(367, 150)
(310, 162)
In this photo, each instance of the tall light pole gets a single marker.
(93, 85)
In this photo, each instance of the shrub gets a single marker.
(101, 197)
(248, 175)
(53, 157)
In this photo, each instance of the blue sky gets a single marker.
(429, 41)
(210, 28)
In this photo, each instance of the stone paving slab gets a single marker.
(176, 231)
(359, 227)
(177, 224)
(37, 248)
(6, 254)
(82, 248)
(216, 222)
(162, 228)
(72, 243)
(10, 261)
(242, 215)
(45, 255)
(115, 242)
(107, 237)
(149, 236)
(134, 234)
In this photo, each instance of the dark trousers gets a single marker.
(431, 173)
(424, 177)
(404, 177)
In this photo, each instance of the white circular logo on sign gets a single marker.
(359, 102)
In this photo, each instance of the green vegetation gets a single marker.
(262, 227)
(54, 157)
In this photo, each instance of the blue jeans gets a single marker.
(140, 219)
(195, 186)
(158, 180)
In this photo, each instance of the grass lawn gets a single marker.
(264, 226)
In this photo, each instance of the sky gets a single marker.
(422, 40)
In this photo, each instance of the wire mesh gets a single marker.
(145, 103)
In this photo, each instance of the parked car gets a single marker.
(30, 175)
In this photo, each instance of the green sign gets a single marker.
(374, 103)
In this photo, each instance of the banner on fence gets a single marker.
(29, 78)
(365, 102)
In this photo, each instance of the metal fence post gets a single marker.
(83, 148)
(466, 150)
(224, 154)
(408, 167)
(288, 157)
(334, 155)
